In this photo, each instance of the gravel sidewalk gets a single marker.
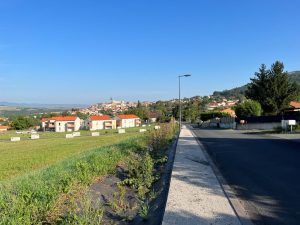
(195, 195)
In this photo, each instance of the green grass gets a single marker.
(47, 172)
(28, 199)
(19, 158)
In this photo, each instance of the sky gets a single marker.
(87, 51)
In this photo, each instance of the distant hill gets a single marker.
(43, 106)
(240, 91)
(8, 109)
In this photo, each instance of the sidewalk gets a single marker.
(195, 195)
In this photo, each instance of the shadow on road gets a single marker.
(263, 172)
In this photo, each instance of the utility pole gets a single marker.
(180, 115)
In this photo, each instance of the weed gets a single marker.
(144, 210)
(119, 204)
(86, 212)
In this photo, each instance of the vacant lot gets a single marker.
(18, 158)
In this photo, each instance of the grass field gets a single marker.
(19, 158)
(29, 198)
(38, 177)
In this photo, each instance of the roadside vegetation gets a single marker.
(58, 193)
(248, 108)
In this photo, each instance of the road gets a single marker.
(263, 171)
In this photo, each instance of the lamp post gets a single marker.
(185, 75)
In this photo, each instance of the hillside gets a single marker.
(240, 91)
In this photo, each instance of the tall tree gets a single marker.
(272, 88)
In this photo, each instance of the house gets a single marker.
(3, 128)
(212, 105)
(153, 116)
(100, 122)
(229, 111)
(61, 123)
(129, 120)
(294, 106)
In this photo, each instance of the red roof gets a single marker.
(103, 117)
(295, 104)
(128, 116)
(60, 118)
(45, 119)
(3, 127)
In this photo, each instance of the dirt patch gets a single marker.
(106, 191)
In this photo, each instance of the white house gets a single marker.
(100, 122)
(61, 123)
(129, 120)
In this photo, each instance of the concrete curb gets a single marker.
(235, 203)
(196, 196)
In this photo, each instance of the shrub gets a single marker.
(140, 173)
(158, 140)
(248, 108)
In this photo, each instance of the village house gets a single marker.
(212, 105)
(3, 128)
(153, 116)
(61, 123)
(129, 120)
(100, 122)
(229, 111)
(294, 106)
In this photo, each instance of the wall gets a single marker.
(77, 124)
(60, 126)
(258, 126)
(128, 123)
(97, 125)
(228, 125)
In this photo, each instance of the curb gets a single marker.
(235, 203)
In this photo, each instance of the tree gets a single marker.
(21, 123)
(191, 111)
(82, 115)
(248, 108)
(272, 88)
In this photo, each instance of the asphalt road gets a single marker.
(263, 171)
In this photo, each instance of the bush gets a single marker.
(140, 173)
(248, 108)
(21, 123)
(141, 164)
(158, 140)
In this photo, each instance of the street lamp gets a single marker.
(185, 75)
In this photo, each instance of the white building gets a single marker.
(61, 123)
(129, 120)
(100, 122)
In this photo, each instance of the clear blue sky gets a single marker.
(78, 51)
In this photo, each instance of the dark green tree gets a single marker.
(272, 89)
(21, 122)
